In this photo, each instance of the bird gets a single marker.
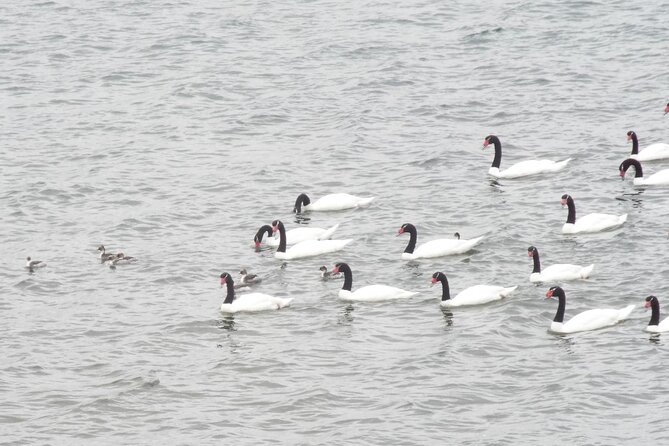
(559, 271)
(521, 169)
(654, 325)
(306, 248)
(369, 293)
(246, 279)
(658, 178)
(32, 264)
(120, 259)
(474, 295)
(434, 248)
(587, 320)
(588, 223)
(294, 236)
(655, 151)
(104, 256)
(328, 275)
(331, 202)
(666, 109)
(250, 302)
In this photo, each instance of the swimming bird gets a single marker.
(250, 302)
(104, 256)
(327, 275)
(588, 223)
(295, 235)
(557, 272)
(658, 178)
(369, 293)
(654, 325)
(587, 320)
(655, 151)
(331, 202)
(246, 279)
(474, 295)
(434, 248)
(32, 264)
(306, 248)
(521, 169)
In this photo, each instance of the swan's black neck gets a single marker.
(348, 276)
(282, 236)
(413, 236)
(261, 232)
(445, 290)
(302, 200)
(231, 290)
(537, 263)
(559, 316)
(498, 151)
(571, 217)
(635, 144)
(629, 162)
(655, 307)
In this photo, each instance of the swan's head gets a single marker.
(457, 235)
(565, 198)
(437, 277)
(406, 227)
(554, 291)
(339, 267)
(531, 250)
(649, 301)
(490, 139)
(631, 135)
(224, 278)
(275, 225)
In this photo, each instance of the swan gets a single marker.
(590, 222)
(294, 235)
(661, 177)
(521, 169)
(587, 320)
(654, 325)
(474, 295)
(306, 248)
(332, 202)
(369, 293)
(666, 109)
(32, 264)
(655, 151)
(434, 248)
(559, 271)
(249, 302)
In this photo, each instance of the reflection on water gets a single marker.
(346, 316)
(448, 316)
(227, 323)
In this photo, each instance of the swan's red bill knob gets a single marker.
(666, 109)
(529, 253)
(622, 173)
(646, 304)
(257, 244)
(563, 201)
(223, 280)
(549, 293)
(485, 143)
(400, 231)
(434, 280)
(335, 269)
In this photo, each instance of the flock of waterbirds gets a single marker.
(305, 242)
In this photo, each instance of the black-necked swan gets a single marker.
(559, 271)
(293, 236)
(521, 169)
(474, 295)
(251, 301)
(588, 223)
(306, 248)
(434, 248)
(654, 325)
(655, 151)
(587, 320)
(32, 264)
(332, 202)
(369, 293)
(658, 178)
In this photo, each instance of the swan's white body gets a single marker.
(562, 271)
(655, 151)
(659, 328)
(658, 178)
(594, 223)
(375, 293)
(477, 295)
(592, 320)
(441, 247)
(310, 248)
(337, 202)
(255, 302)
(529, 167)
(298, 235)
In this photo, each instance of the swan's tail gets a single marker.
(365, 201)
(622, 219)
(562, 164)
(328, 234)
(284, 302)
(506, 291)
(585, 272)
(625, 312)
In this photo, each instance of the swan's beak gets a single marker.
(629, 138)
(257, 243)
(485, 144)
(335, 270)
(549, 294)
(666, 109)
(222, 282)
(400, 232)
(563, 202)
(433, 281)
(529, 253)
(622, 175)
(646, 304)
